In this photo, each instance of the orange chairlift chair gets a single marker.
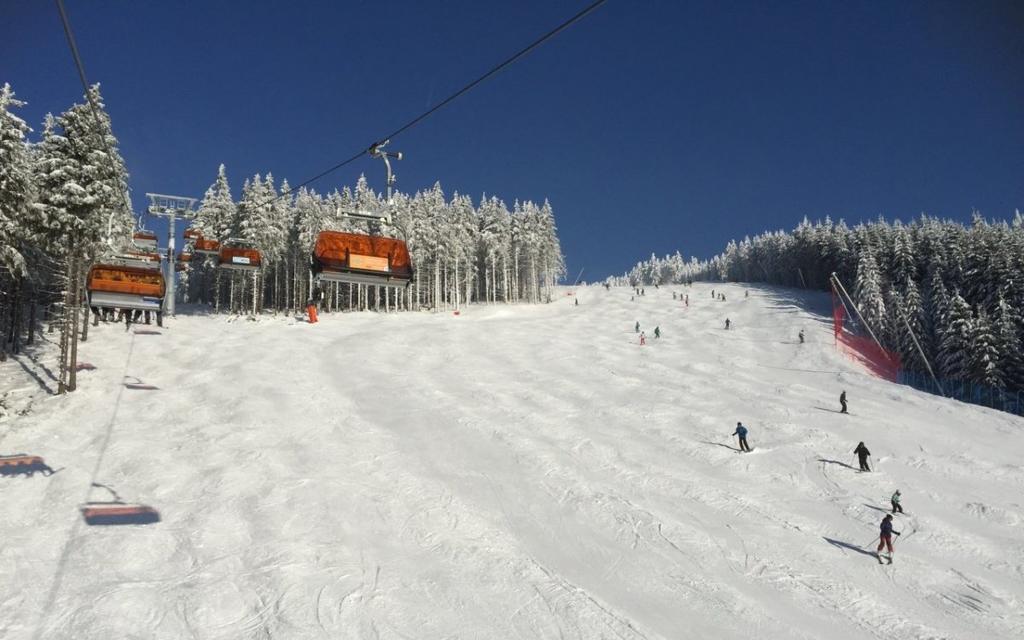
(144, 239)
(206, 246)
(239, 255)
(361, 259)
(124, 286)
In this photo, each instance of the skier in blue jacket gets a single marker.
(741, 431)
(885, 536)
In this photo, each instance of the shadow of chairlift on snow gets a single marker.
(146, 332)
(85, 366)
(117, 512)
(131, 382)
(21, 464)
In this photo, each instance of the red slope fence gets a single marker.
(862, 348)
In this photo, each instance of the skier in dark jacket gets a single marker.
(842, 398)
(741, 431)
(657, 332)
(885, 536)
(801, 336)
(863, 453)
(727, 323)
(636, 329)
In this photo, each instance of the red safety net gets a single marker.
(861, 348)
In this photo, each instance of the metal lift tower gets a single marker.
(172, 208)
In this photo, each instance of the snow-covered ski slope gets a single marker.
(513, 472)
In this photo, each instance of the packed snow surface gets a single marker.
(510, 472)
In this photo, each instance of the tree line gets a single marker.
(461, 252)
(64, 206)
(959, 288)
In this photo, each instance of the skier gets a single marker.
(863, 453)
(712, 293)
(842, 399)
(643, 339)
(723, 297)
(727, 323)
(636, 329)
(311, 311)
(896, 506)
(687, 300)
(885, 537)
(576, 302)
(657, 332)
(643, 291)
(801, 335)
(741, 431)
(746, 294)
(673, 295)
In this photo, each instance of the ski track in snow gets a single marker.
(513, 472)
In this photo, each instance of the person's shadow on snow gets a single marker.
(846, 545)
(841, 464)
(722, 444)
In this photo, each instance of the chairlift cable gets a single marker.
(437, 107)
(92, 103)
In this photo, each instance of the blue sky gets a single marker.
(651, 125)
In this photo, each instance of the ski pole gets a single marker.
(872, 542)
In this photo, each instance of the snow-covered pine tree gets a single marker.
(956, 340)
(16, 186)
(16, 224)
(869, 296)
(217, 212)
(984, 361)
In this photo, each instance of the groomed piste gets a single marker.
(511, 472)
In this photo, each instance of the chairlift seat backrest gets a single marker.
(363, 259)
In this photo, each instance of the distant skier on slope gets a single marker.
(727, 323)
(713, 293)
(643, 338)
(895, 500)
(801, 336)
(862, 454)
(636, 329)
(842, 400)
(885, 537)
(741, 431)
(673, 295)
(657, 332)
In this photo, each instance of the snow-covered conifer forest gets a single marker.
(63, 206)
(960, 288)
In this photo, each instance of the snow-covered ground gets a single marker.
(512, 472)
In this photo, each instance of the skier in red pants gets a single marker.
(885, 537)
